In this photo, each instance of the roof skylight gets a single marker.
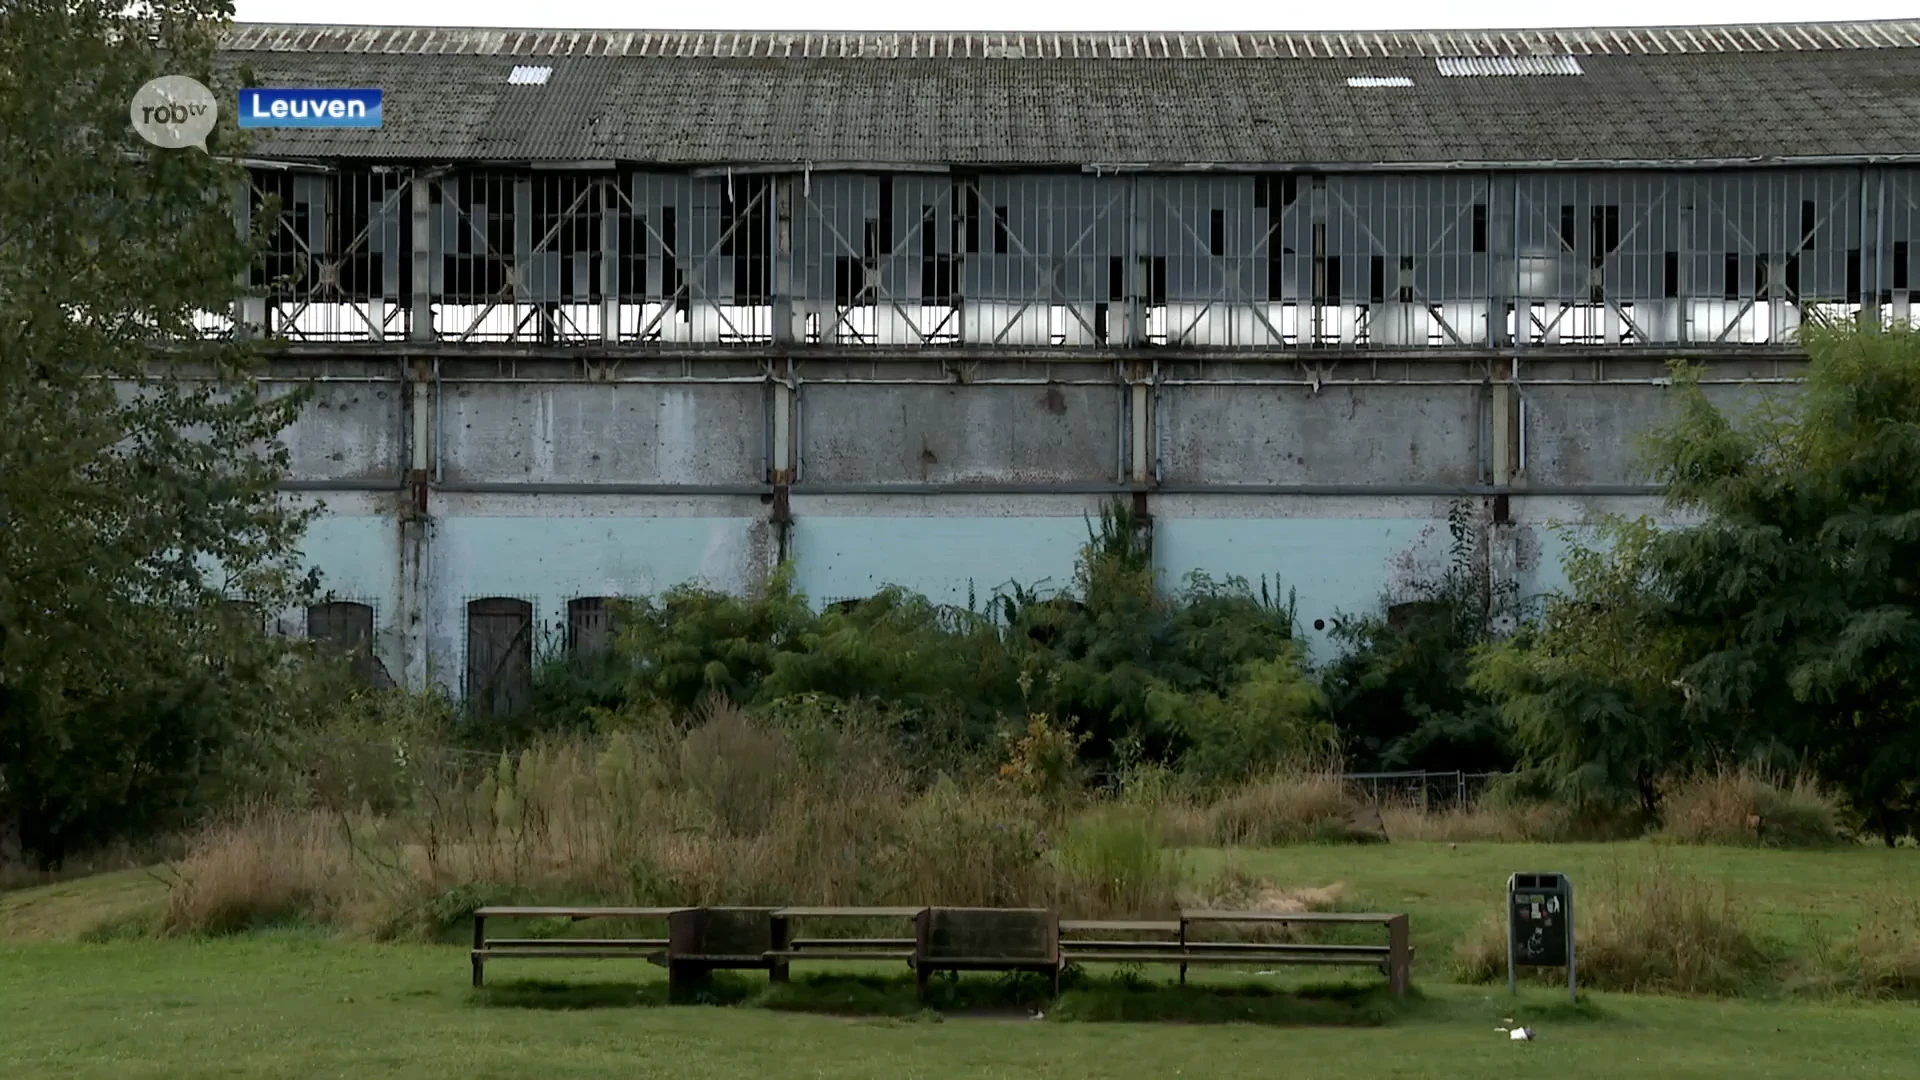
(1508, 65)
(529, 76)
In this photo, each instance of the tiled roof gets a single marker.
(1847, 91)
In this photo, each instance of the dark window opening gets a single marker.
(1333, 282)
(1116, 278)
(1671, 272)
(970, 220)
(1002, 241)
(478, 252)
(632, 238)
(670, 257)
(1479, 228)
(884, 222)
(1731, 278)
(1899, 264)
(936, 280)
(1603, 233)
(1217, 232)
(1791, 277)
(1566, 227)
(1809, 223)
(849, 282)
(1853, 275)
(1157, 281)
(1377, 279)
(358, 227)
(746, 237)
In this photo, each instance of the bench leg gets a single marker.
(777, 971)
(1183, 949)
(479, 943)
(1399, 956)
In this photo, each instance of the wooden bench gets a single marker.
(485, 948)
(1393, 959)
(788, 948)
(701, 940)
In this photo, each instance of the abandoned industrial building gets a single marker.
(594, 314)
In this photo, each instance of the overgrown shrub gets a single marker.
(1739, 808)
(1648, 929)
(1290, 808)
(1399, 690)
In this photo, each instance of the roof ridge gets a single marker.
(1752, 37)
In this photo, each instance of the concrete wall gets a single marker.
(548, 480)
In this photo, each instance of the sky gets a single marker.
(1057, 15)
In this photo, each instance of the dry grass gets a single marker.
(1740, 808)
(271, 865)
(1287, 808)
(1650, 930)
(1887, 947)
(1480, 822)
(727, 812)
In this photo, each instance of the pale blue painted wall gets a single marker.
(551, 560)
(849, 557)
(1333, 565)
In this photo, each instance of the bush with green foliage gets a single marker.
(1399, 691)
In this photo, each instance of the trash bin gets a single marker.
(1539, 925)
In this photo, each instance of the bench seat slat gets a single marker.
(1171, 926)
(1361, 918)
(833, 954)
(575, 943)
(1218, 958)
(562, 954)
(847, 912)
(578, 912)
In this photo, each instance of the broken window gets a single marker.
(499, 656)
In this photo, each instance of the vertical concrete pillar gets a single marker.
(1500, 415)
(415, 527)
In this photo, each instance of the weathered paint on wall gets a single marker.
(549, 481)
(947, 547)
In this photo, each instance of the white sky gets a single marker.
(1057, 15)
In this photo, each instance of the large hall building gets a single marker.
(593, 314)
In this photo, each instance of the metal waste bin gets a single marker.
(1539, 926)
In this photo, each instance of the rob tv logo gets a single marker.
(309, 108)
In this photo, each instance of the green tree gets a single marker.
(136, 502)
(1589, 691)
(1776, 625)
(1798, 589)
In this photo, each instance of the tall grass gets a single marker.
(1742, 808)
(1651, 928)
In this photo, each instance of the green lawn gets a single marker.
(300, 1004)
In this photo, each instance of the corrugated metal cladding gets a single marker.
(1846, 91)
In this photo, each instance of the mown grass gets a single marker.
(297, 1005)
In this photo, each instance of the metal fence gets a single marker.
(1077, 261)
(1426, 790)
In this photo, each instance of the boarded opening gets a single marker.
(499, 656)
(347, 628)
(589, 627)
